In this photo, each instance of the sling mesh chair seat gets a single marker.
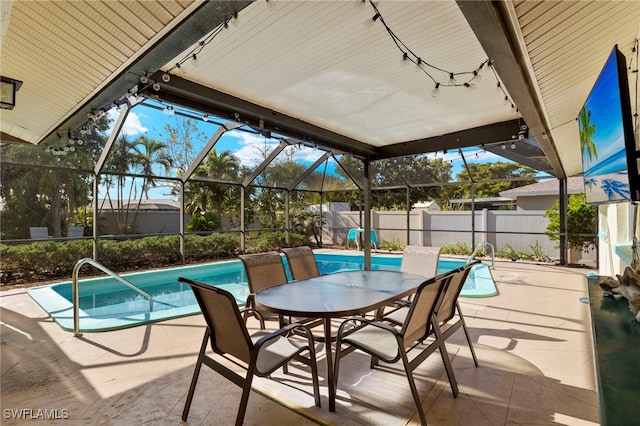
(448, 314)
(302, 262)
(387, 343)
(263, 270)
(421, 260)
(229, 338)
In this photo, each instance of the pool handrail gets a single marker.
(76, 296)
(477, 249)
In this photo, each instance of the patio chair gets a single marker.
(38, 232)
(263, 270)
(302, 262)
(354, 234)
(420, 260)
(75, 232)
(229, 338)
(448, 309)
(387, 343)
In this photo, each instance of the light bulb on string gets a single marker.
(470, 86)
(498, 87)
(370, 22)
(452, 80)
(205, 117)
(506, 100)
(477, 77)
(194, 60)
(436, 90)
(156, 87)
(235, 21)
(503, 146)
(166, 77)
(405, 58)
(419, 65)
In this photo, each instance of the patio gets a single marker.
(533, 342)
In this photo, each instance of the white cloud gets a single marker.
(132, 125)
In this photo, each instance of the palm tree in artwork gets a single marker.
(587, 130)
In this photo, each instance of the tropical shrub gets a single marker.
(391, 246)
(457, 248)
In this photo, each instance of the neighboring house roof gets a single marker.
(494, 200)
(429, 205)
(575, 185)
(151, 204)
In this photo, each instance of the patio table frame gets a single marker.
(341, 294)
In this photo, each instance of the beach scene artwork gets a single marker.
(602, 140)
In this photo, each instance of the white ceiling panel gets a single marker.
(567, 43)
(65, 51)
(316, 60)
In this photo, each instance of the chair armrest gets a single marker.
(252, 311)
(251, 301)
(285, 331)
(365, 321)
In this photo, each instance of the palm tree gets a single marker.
(221, 167)
(149, 153)
(587, 130)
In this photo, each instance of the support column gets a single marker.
(563, 202)
(367, 216)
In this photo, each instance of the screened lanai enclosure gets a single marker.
(304, 119)
(156, 169)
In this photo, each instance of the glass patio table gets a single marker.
(336, 295)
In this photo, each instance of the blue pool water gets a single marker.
(106, 304)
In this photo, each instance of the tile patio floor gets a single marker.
(533, 342)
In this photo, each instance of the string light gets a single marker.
(436, 91)
(470, 77)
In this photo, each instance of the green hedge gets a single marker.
(50, 260)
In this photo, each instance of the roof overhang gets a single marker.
(311, 70)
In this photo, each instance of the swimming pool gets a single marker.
(106, 304)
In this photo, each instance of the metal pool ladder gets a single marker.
(477, 249)
(76, 297)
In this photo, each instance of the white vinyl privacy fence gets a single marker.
(519, 229)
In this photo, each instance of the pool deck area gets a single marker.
(533, 341)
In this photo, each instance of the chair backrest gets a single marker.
(75, 231)
(221, 313)
(263, 270)
(417, 324)
(373, 237)
(302, 262)
(38, 232)
(447, 307)
(420, 260)
(352, 234)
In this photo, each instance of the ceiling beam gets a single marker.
(490, 23)
(200, 22)
(181, 91)
(477, 136)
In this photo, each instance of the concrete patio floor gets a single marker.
(533, 342)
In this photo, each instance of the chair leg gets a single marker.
(414, 389)
(466, 333)
(314, 376)
(246, 390)
(194, 379)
